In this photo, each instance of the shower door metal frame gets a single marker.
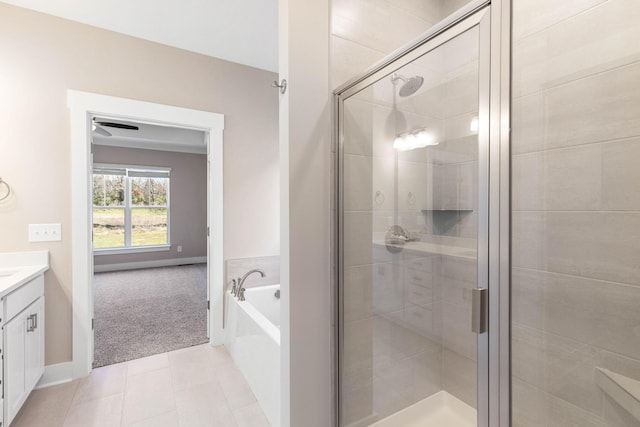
(493, 21)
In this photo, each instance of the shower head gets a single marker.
(409, 85)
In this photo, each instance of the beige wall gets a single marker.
(188, 200)
(42, 57)
(576, 208)
(305, 142)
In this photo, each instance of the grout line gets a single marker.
(578, 345)
(577, 277)
(361, 45)
(124, 392)
(576, 408)
(570, 147)
(75, 391)
(575, 15)
(549, 86)
(569, 211)
(173, 389)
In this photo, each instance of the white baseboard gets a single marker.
(148, 264)
(56, 374)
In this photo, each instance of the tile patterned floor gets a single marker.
(192, 387)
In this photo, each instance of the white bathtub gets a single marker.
(252, 332)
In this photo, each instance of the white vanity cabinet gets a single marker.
(23, 353)
(22, 348)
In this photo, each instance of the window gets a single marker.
(130, 208)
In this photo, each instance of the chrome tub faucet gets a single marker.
(240, 289)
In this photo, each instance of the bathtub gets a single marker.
(252, 335)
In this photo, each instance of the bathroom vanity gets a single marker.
(22, 322)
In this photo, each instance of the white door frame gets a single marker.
(83, 106)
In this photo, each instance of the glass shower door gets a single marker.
(413, 182)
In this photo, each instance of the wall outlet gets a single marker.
(45, 232)
(179, 248)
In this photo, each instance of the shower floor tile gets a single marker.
(440, 409)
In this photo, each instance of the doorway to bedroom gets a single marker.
(149, 239)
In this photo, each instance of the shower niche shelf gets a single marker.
(443, 220)
(624, 390)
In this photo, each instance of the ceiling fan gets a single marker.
(99, 127)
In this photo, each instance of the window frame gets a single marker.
(128, 207)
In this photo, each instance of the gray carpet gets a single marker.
(140, 313)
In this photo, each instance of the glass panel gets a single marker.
(575, 211)
(149, 191)
(410, 237)
(149, 226)
(108, 190)
(140, 188)
(98, 190)
(108, 228)
(158, 191)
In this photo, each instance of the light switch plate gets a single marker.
(45, 232)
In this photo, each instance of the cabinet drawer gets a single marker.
(424, 265)
(19, 299)
(417, 294)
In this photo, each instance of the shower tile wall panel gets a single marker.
(450, 6)
(586, 41)
(236, 268)
(576, 208)
(543, 409)
(393, 352)
(357, 180)
(459, 376)
(348, 59)
(364, 31)
(347, 22)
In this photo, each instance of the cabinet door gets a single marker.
(15, 386)
(34, 345)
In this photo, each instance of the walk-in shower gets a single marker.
(487, 223)
(413, 184)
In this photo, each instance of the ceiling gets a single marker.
(150, 137)
(244, 31)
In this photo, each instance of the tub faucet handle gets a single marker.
(241, 294)
(233, 288)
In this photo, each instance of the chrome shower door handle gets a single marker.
(479, 301)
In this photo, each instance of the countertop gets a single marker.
(434, 248)
(17, 268)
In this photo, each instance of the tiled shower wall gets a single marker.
(576, 147)
(365, 31)
(576, 208)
